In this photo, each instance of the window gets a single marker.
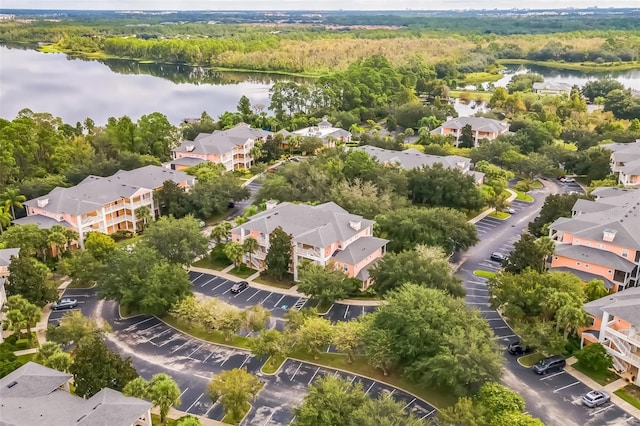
(625, 253)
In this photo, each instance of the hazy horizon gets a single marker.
(324, 5)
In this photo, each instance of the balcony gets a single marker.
(631, 334)
(315, 253)
(90, 220)
(120, 219)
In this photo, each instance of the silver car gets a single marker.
(595, 398)
(66, 303)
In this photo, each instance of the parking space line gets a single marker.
(564, 387)
(212, 279)
(266, 298)
(195, 350)
(346, 311)
(227, 291)
(181, 346)
(209, 356)
(363, 312)
(392, 392)
(276, 305)
(202, 377)
(239, 293)
(553, 375)
(245, 361)
(132, 326)
(161, 334)
(501, 327)
(335, 374)
(507, 336)
(369, 388)
(412, 401)
(211, 408)
(601, 410)
(251, 297)
(196, 278)
(269, 418)
(313, 377)
(219, 285)
(428, 414)
(194, 402)
(186, 389)
(176, 336)
(295, 372)
(150, 328)
(354, 377)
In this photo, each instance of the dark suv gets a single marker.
(550, 365)
(238, 287)
(517, 348)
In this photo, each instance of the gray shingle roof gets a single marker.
(359, 250)
(94, 191)
(584, 276)
(5, 255)
(33, 395)
(595, 256)
(43, 222)
(623, 304)
(477, 123)
(413, 159)
(187, 161)
(550, 85)
(221, 141)
(314, 225)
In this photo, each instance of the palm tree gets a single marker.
(595, 289)
(249, 246)
(234, 251)
(15, 320)
(144, 214)
(12, 199)
(221, 231)
(57, 241)
(164, 394)
(32, 314)
(546, 246)
(5, 218)
(256, 152)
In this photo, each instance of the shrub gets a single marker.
(22, 344)
(595, 358)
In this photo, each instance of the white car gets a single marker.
(567, 180)
(511, 210)
(595, 398)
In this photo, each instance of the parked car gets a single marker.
(498, 257)
(551, 364)
(511, 210)
(567, 180)
(561, 177)
(66, 303)
(595, 398)
(517, 348)
(238, 287)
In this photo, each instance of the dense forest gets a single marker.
(455, 47)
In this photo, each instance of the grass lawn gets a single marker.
(483, 273)
(220, 217)
(523, 196)
(531, 359)
(603, 378)
(272, 364)
(126, 312)
(212, 336)
(499, 215)
(23, 359)
(486, 96)
(155, 420)
(211, 262)
(242, 271)
(285, 282)
(631, 394)
(481, 77)
(322, 308)
(537, 184)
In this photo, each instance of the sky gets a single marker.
(306, 5)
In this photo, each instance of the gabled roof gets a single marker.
(550, 85)
(477, 124)
(95, 191)
(43, 222)
(186, 161)
(34, 395)
(221, 141)
(584, 275)
(6, 254)
(359, 250)
(318, 225)
(624, 304)
(414, 159)
(595, 256)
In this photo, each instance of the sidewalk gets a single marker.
(610, 388)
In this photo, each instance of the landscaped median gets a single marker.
(359, 366)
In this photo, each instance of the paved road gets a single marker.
(554, 398)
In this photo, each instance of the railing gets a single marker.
(631, 334)
(119, 219)
(308, 252)
(624, 348)
(88, 221)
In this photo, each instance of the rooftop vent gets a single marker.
(43, 202)
(608, 235)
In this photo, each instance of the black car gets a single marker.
(517, 348)
(498, 257)
(238, 287)
(66, 303)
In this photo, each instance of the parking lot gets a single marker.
(569, 187)
(87, 299)
(159, 348)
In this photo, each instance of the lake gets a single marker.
(75, 88)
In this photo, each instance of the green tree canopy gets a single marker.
(32, 280)
(176, 240)
(236, 389)
(326, 283)
(279, 255)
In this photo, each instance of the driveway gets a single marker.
(554, 398)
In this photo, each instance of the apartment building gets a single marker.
(103, 204)
(5, 261)
(601, 239)
(625, 162)
(616, 325)
(482, 128)
(414, 159)
(231, 148)
(324, 234)
(326, 132)
(38, 395)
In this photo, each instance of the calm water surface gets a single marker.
(74, 88)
